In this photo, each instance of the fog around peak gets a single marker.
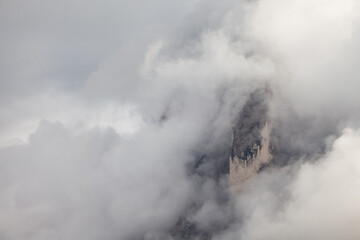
(116, 118)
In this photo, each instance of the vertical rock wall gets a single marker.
(251, 139)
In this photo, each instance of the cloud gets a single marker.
(60, 184)
(22, 116)
(116, 118)
(319, 201)
(313, 42)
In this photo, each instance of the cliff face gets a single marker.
(251, 139)
(250, 149)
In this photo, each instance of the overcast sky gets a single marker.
(104, 105)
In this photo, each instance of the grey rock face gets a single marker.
(248, 151)
(251, 142)
(247, 129)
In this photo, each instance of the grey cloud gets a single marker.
(135, 101)
(316, 201)
(60, 184)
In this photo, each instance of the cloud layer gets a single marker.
(116, 118)
(319, 202)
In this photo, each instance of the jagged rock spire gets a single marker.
(251, 145)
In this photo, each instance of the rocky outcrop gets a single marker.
(251, 146)
(250, 149)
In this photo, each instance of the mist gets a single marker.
(116, 119)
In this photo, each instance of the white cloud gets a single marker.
(313, 43)
(23, 116)
(314, 200)
(110, 103)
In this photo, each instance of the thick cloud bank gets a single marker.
(319, 202)
(116, 118)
